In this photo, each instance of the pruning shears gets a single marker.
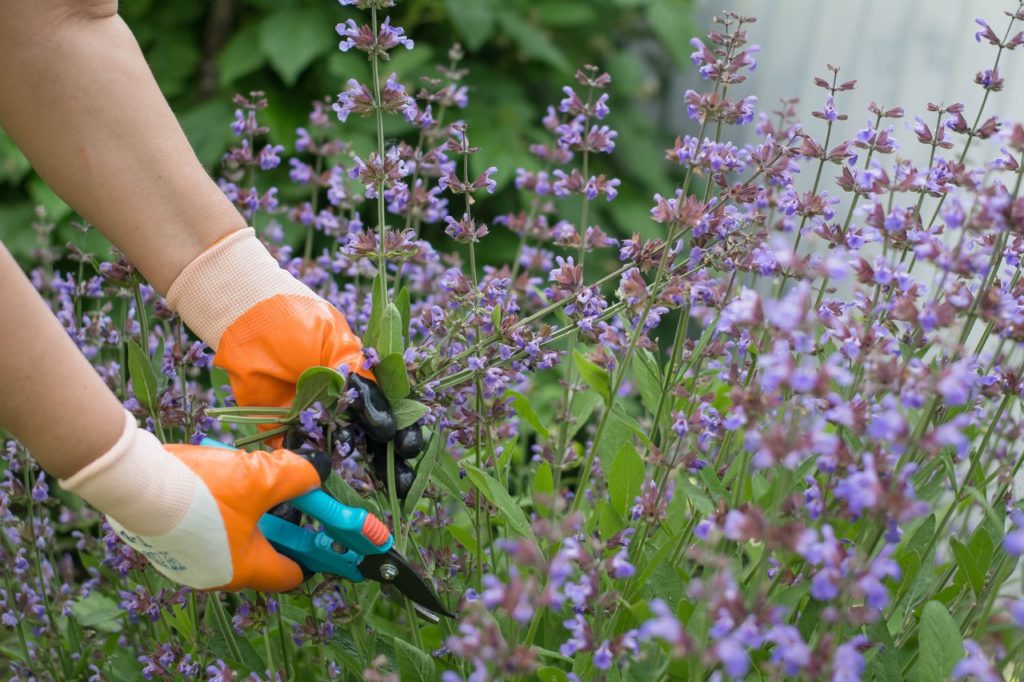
(351, 543)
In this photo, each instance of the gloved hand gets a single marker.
(192, 511)
(267, 328)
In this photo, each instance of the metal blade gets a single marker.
(392, 568)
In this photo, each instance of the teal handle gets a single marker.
(313, 551)
(337, 549)
(342, 523)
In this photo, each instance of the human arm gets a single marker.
(78, 98)
(80, 101)
(193, 511)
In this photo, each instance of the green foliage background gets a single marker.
(519, 52)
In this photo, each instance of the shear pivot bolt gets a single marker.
(388, 571)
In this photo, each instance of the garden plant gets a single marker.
(773, 434)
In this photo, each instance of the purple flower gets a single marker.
(790, 649)
(268, 157)
(1016, 608)
(848, 662)
(1014, 541)
(603, 656)
(957, 382)
(579, 636)
(861, 489)
(621, 568)
(975, 665)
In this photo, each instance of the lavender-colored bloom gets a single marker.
(958, 381)
(666, 627)
(1016, 608)
(975, 665)
(269, 156)
(621, 568)
(1014, 541)
(603, 656)
(579, 636)
(848, 662)
(860, 489)
(790, 650)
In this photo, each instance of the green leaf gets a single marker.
(939, 642)
(423, 471)
(474, 21)
(321, 384)
(696, 496)
(667, 583)
(143, 379)
(240, 57)
(886, 663)
(393, 378)
(218, 642)
(619, 429)
(534, 42)
(463, 537)
(97, 612)
(609, 522)
(543, 488)
(497, 495)
(551, 674)
(413, 664)
(921, 537)
(405, 310)
(521, 404)
(292, 38)
(648, 378)
(969, 567)
(378, 297)
(496, 318)
(446, 476)
(339, 488)
(982, 548)
(595, 376)
(408, 412)
(390, 340)
(582, 407)
(625, 478)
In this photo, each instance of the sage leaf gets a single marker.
(393, 378)
(496, 494)
(143, 377)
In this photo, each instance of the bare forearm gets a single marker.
(79, 99)
(51, 399)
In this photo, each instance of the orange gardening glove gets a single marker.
(193, 511)
(267, 328)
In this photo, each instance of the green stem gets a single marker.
(225, 625)
(269, 649)
(233, 411)
(307, 250)
(283, 636)
(396, 516)
(379, 115)
(262, 435)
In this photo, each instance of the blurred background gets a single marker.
(904, 54)
(519, 52)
